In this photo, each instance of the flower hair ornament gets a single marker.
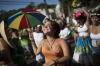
(78, 15)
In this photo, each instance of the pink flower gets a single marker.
(77, 15)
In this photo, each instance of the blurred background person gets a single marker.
(38, 37)
(17, 53)
(25, 43)
(95, 36)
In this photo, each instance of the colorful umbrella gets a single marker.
(25, 19)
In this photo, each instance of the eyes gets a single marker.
(47, 25)
(95, 18)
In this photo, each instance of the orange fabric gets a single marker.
(52, 55)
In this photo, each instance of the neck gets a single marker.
(49, 38)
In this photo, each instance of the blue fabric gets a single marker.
(38, 16)
(13, 17)
(83, 46)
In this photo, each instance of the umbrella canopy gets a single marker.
(25, 19)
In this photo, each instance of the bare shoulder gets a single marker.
(62, 43)
(61, 40)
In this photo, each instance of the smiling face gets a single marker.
(47, 28)
(51, 28)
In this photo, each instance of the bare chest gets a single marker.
(96, 30)
(54, 46)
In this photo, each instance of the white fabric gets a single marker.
(58, 10)
(64, 33)
(67, 19)
(95, 38)
(82, 30)
(76, 57)
(74, 21)
(38, 37)
(84, 59)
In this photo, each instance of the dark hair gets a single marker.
(81, 17)
(13, 30)
(47, 19)
(56, 28)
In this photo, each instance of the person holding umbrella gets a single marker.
(54, 49)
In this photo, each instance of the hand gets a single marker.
(49, 63)
(31, 37)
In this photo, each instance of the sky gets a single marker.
(16, 4)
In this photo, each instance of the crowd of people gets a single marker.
(51, 44)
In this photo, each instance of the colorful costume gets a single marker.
(82, 52)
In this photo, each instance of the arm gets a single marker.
(87, 16)
(35, 49)
(66, 52)
(87, 22)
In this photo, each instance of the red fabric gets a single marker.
(24, 23)
(25, 11)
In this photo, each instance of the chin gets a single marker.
(44, 32)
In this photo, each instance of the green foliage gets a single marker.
(30, 6)
(52, 6)
(41, 6)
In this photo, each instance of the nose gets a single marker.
(44, 26)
